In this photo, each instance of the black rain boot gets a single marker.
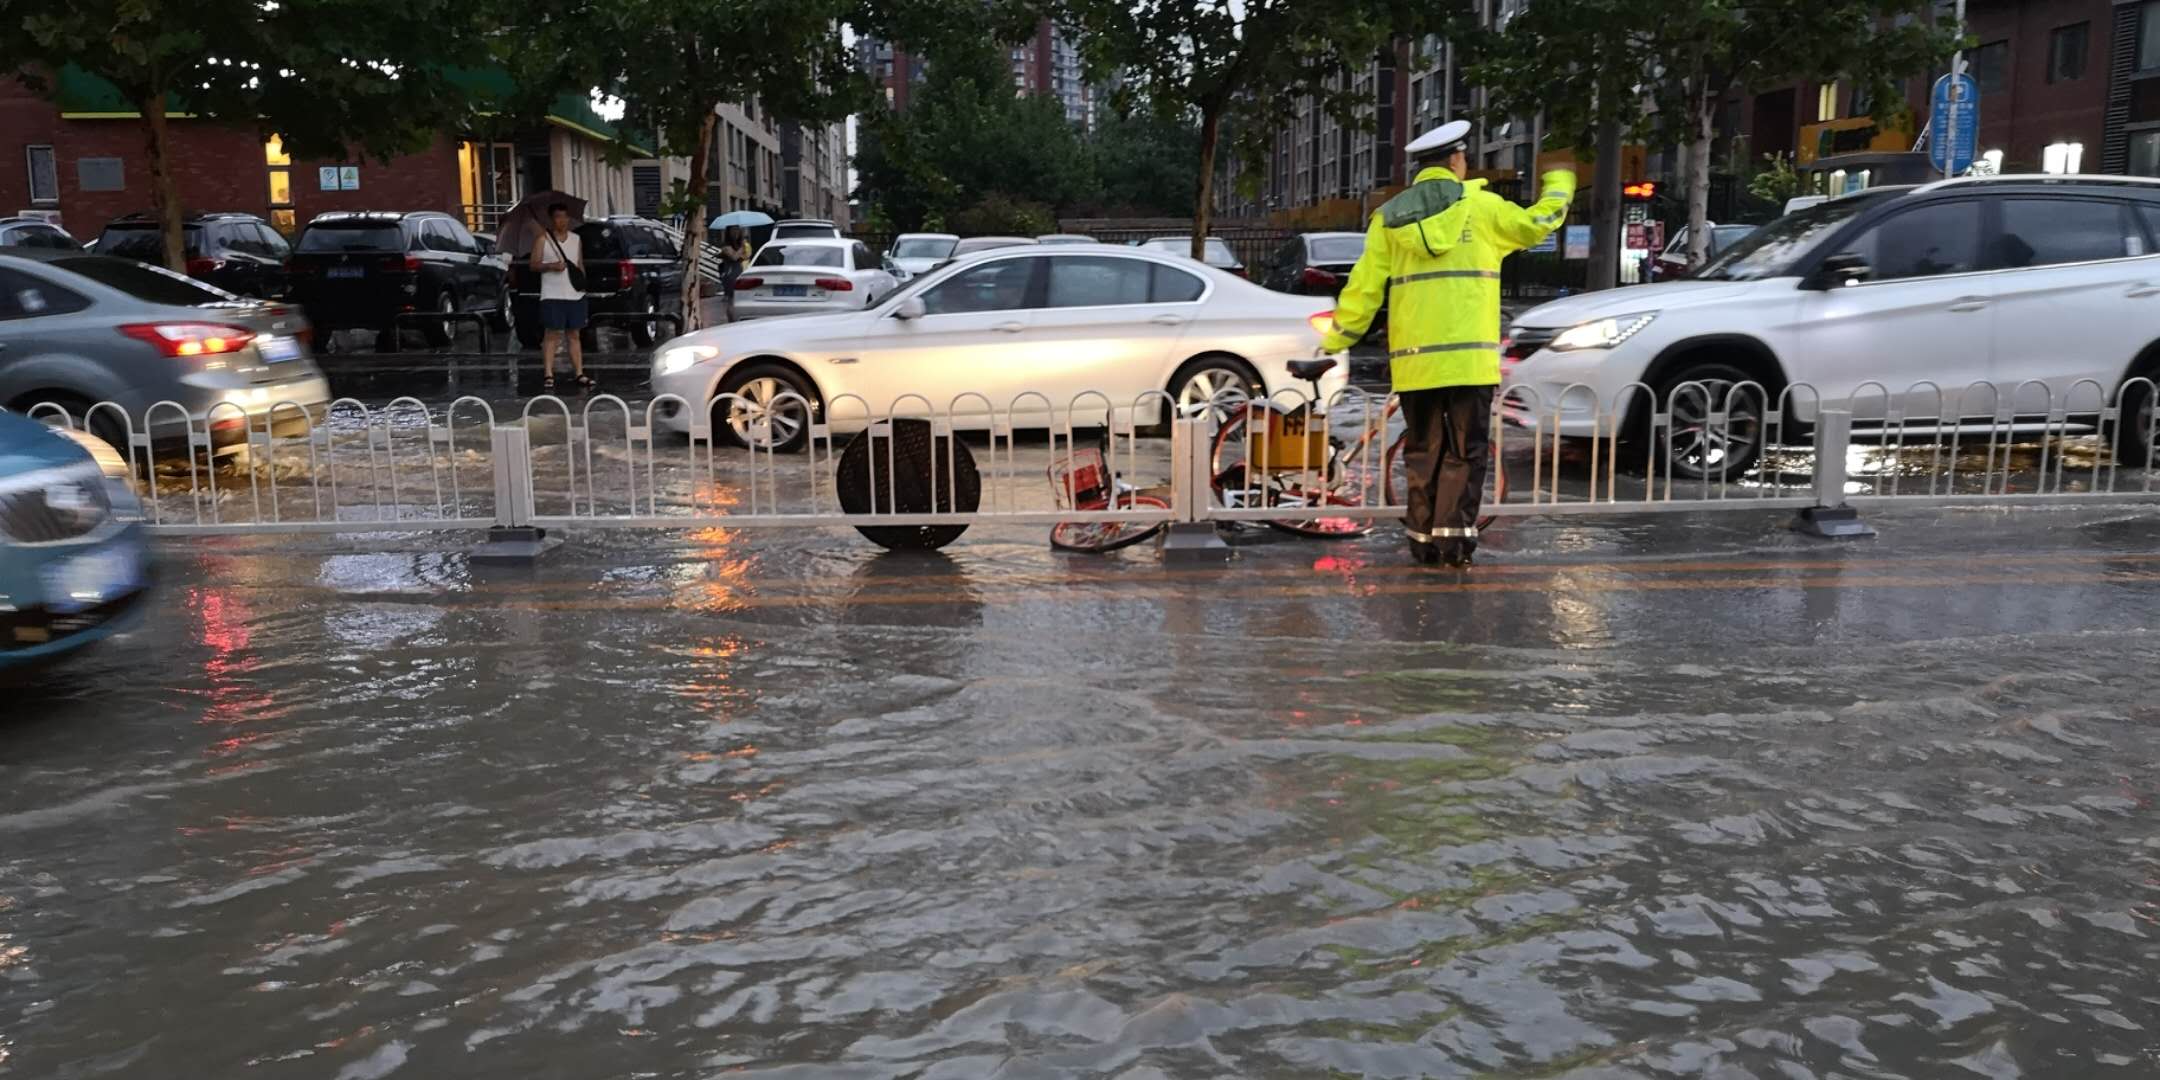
(1424, 552)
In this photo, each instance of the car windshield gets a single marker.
(143, 242)
(923, 247)
(1218, 252)
(1772, 250)
(801, 255)
(353, 237)
(1337, 249)
(142, 281)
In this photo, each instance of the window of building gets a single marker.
(100, 174)
(2145, 153)
(1826, 102)
(2062, 157)
(2066, 52)
(1989, 66)
(277, 166)
(2148, 36)
(44, 174)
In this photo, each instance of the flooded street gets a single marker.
(1655, 798)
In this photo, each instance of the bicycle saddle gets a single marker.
(1310, 370)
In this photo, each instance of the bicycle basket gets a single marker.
(1293, 441)
(1079, 478)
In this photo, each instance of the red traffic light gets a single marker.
(1645, 190)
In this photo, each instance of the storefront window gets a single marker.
(277, 165)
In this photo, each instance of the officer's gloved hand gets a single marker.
(1557, 179)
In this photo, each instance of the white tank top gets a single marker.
(555, 284)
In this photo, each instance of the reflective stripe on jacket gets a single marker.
(1433, 256)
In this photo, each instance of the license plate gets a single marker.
(85, 581)
(277, 350)
(791, 290)
(345, 272)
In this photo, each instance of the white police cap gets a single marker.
(1445, 137)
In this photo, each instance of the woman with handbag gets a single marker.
(558, 255)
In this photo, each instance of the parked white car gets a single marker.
(814, 274)
(800, 228)
(1056, 321)
(919, 252)
(1895, 296)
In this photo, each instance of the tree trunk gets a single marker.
(694, 226)
(163, 198)
(1698, 179)
(1204, 184)
(1605, 183)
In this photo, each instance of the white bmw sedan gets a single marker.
(1016, 334)
(801, 275)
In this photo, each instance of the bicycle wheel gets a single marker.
(1097, 537)
(1320, 528)
(1237, 485)
(1397, 487)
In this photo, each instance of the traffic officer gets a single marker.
(1432, 255)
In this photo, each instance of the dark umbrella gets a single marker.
(529, 218)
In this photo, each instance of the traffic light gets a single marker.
(1645, 190)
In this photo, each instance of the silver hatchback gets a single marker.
(77, 329)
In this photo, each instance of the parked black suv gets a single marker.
(632, 267)
(361, 270)
(239, 253)
(35, 233)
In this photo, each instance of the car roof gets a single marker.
(999, 239)
(149, 217)
(387, 217)
(927, 236)
(812, 241)
(1336, 235)
(2025, 183)
(46, 254)
(802, 221)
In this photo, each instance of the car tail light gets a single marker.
(1238, 270)
(745, 284)
(199, 267)
(625, 272)
(834, 284)
(1317, 278)
(299, 267)
(401, 264)
(1321, 321)
(190, 339)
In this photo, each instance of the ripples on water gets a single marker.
(1078, 836)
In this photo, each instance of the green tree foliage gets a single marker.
(1239, 65)
(967, 137)
(1144, 164)
(1777, 182)
(332, 77)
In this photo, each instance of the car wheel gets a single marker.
(441, 332)
(2134, 433)
(1223, 381)
(647, 332)
(1695, 448)
(762, 415)
(504, 318)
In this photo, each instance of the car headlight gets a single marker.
(1601, 333)
(681, 357)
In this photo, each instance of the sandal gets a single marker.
(547, 385)
(585, 382)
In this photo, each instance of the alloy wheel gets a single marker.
(761, 419)
(1699, 450)
(447, 305)
(1220, 388)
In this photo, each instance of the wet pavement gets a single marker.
(1669, 796)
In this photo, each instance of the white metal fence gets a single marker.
(669, 463)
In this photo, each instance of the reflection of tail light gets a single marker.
(199, 267)
(1314, 277)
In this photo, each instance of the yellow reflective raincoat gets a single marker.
(1433, 256)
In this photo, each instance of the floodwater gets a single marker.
(705, 804)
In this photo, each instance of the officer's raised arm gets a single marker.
(1361, 298)
(1517, 227)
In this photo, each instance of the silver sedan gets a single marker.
(1015, 334)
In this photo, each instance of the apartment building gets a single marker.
(814, 172)
(1048, 63)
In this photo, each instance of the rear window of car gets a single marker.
(1218, 252)
(1335, 249)
(801, 255)
(601, 241)
(143, 242)
(152, 284)
(805, 230)
(339, 237)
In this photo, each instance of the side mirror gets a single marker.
(1838, 271)
(910, 309)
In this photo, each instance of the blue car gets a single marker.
(72, 558)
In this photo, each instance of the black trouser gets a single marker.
(1447, 447)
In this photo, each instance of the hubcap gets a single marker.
(1696, 444)
(758, 421)
(652, 325)
(448, 306)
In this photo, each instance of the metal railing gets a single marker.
(791, 462)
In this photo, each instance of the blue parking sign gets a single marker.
(1953, 123)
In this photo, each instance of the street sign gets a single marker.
(1578, 242)
(1953, 123)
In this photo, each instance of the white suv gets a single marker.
(1921, 291)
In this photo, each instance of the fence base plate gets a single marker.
(1194, 541)
(508, 545)
(1831, 523)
